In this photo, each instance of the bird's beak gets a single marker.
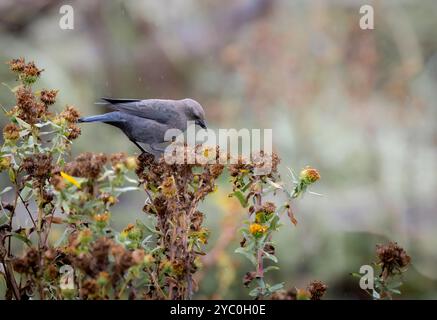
(201, 123)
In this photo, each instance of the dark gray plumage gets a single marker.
(146, 121)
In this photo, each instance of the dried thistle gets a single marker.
(38, 166)
(86, 165)
(11, 132)
(317, 289)
(392, 258)
(17, 65)
(48, 96)
(70, 114)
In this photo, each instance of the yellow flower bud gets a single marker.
(309, 175)
(101, 217)
(131, 163)
(257, 230)
(5, 162)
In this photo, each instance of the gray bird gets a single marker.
(146, 121)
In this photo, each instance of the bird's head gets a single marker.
(194, 112)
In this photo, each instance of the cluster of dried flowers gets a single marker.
(36, 143)
(250, 186)
(315, 291)
(392, 258)
(139, 262)
(392, 262)
(175, 192)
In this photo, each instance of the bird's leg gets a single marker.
(140, 147)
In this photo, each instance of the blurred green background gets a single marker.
(359, 105)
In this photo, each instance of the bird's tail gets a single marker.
(107, 117)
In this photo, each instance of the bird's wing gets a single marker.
(159, 110)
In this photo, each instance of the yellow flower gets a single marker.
(201, 235)
(309, 175)
(70, 179)
(131, 163)
(5, 162)
(148, 259)
(101, 217)
(256, 229)
(168, 187)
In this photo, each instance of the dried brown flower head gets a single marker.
(57, 182)
(28, 73)
(86, 165)
(38, 166)
(28, 263)
(48, 96)
(392, 258)
(215, 170)
(117, 158)
(123, 261)
(269, 207)
(196, 221)
(11, 132)
(317, 289)
(89, 289)
(27, 108)
(70, 114)
(31, 70)
(100, 253)
(138, 256)
(74, 131)
(17, 65)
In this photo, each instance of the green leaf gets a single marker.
(126, 189)
(20, 237)
(4, 219)
(26, 193)
(11, 175)
(23, 123)
(271, 268)
(240, 196)
(62, 238)
(255, 292)
(276, 287)
(356, 275)
(274, 184)
(131, 180)
(395, 291)
(247, 254)
(24, 132)
(274, 224)
(144, 227)
(40, 125)
(271, 257)
(394, 285)
(7, 189)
